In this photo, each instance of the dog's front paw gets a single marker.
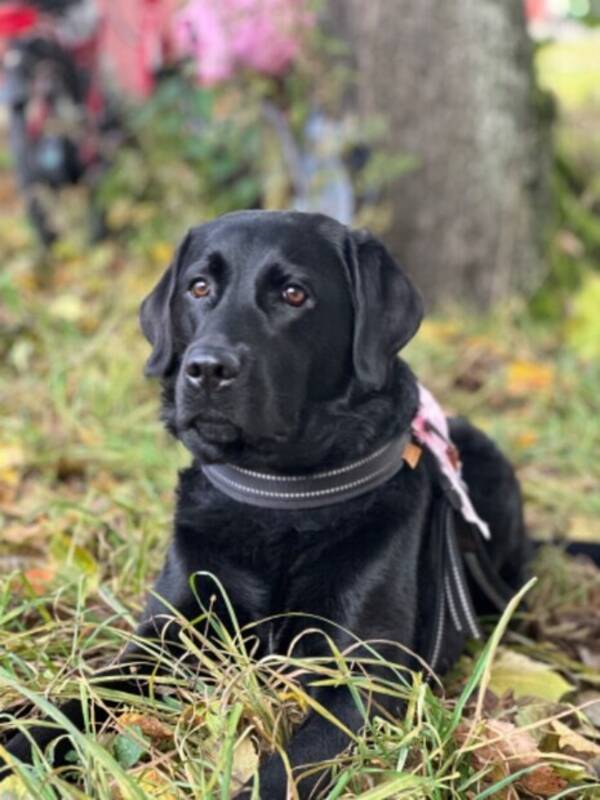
(272, 782)
(18, 746)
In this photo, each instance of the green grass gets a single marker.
(86, 497)
(570, 70)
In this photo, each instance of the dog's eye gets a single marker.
(294, 295)
(200, 288)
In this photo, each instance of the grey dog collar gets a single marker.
(276, 490)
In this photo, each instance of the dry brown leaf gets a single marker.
(193, 717)
(18, 533)
(543, 781)
(150, 726)
(507, 749)
(503, 742)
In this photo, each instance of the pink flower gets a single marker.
(226, 36)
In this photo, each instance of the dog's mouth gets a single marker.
(214, 428)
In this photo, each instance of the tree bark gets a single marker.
(454, 80)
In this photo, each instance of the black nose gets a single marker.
(212, 368)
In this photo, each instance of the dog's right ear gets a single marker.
(388, 309)
(155, 316)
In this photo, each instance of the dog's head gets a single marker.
(263, 316)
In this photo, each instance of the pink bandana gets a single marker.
(430, 428)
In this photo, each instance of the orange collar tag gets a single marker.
(412, 454)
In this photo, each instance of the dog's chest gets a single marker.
(293, 588)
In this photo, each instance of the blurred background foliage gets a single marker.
(569, 72)
(194, 151)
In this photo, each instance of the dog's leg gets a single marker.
(21, 746)
(319, 740)
(316, 740)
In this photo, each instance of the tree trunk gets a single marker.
(454, 80)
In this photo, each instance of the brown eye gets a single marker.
(200, 288)
(293, 295)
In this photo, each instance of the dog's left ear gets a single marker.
(388, 308)
(156, 319)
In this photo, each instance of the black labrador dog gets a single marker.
(275, 336)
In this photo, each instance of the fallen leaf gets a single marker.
(500, 742)
(68, 307)
(154, 785)
(526, 677)
(150, 726)
(523, 377)
(40, 579)
(19, 534)
(245, 760)
(506, 749)
(530, 713)
(13, 788)
(573, 741)
(526, 439)
(543, 781)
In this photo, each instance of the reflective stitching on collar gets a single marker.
(317, 475)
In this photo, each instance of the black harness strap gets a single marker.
(455, 582)
(433, 645)
(482, 571)
(454, 603)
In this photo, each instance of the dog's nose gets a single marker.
(212, 369)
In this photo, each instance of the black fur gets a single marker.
(315, 386)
